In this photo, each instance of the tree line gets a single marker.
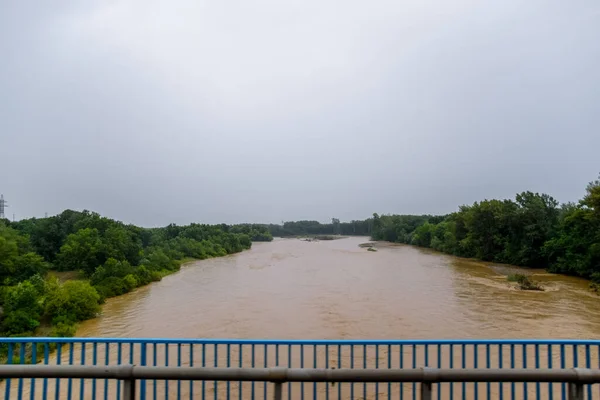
(307, 228)
(110, 258)
(532, 230)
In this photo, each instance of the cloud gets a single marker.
(156, 112)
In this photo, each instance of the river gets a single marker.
(292, 289)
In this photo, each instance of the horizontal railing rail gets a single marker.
(306, 342)
(575, 377)
(353, 355)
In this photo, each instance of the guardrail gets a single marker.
(358, 355)
(129, 374)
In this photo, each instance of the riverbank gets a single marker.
(65, 329)
(62, 268)
(532, 231)
(508, 275)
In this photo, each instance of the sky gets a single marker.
(154, 112)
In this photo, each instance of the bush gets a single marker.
(63, 330)
(19, 322)
(158, 260)
(74, 300)
(130, 283)
(144, 276)
(111, 287)
(524, 282)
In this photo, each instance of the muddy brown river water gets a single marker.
(292, 289)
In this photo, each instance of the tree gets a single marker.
(122, 244)
(22, 309)
(82, 251)
(534, 224)
(17, 262)
(336, 226)
(73, 301)
(423, 234)
(575, 248)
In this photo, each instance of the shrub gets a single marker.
(111, 287)
(524, 282)
(130, 283)
(144, 276)
(74, 300)
(19, 322)
(158, 260)
(63, 330)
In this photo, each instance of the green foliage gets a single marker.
(423, 235)
(530, 231)
(17, 262)
(22, 309)
(23, 296)
(82, 251)
(111, 268)
(122, 244)
(157, 259)
(575, 249)
(73, 301)
(116, 258)
(130, 282)
(256, 232)
(63, 329)
(397, 228)
(18, 323)
(111, 287)
(312, 228)
(144, 276)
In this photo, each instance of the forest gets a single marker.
(101, 257)
(532, 230)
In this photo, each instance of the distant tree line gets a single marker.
(111, 258)
(307, 228)
(256, 232)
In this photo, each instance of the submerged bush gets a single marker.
(524, 282)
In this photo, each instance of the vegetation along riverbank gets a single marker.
(533, 230)
(108, 258)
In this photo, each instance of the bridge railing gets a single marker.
(293, 354)
(576, 378)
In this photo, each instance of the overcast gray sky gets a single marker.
(227, 111)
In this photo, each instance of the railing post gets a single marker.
(143, 363)
(278, 393)
(129, 389)
(576, 391)
(426, 390)
(278, 376)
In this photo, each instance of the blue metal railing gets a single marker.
(358, 354)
